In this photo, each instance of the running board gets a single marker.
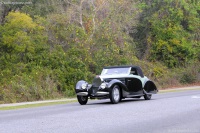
(131, 96)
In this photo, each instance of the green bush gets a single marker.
(188, 78)
(190, 74)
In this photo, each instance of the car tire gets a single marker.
(82, 100)
(147, 96)
(115, 95)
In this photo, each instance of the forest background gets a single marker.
(46, 46)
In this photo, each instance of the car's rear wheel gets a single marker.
(147, 96)
(115, 94)
(82, 99)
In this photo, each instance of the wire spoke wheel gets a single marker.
(115, 95)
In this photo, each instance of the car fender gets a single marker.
(150, 87)
(79, 83)
(144, 80)
(117, 82)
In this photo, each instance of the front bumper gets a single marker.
(98, 93)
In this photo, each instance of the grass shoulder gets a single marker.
(32, 105)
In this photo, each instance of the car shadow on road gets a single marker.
(100, 102)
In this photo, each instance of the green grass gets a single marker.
(36, 105)
(177, 90)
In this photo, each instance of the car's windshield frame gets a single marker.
(116, 71)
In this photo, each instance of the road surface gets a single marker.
(174, 112)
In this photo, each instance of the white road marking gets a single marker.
(197, 97)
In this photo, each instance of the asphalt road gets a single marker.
(174, 112)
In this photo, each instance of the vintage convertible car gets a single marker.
(116, 83)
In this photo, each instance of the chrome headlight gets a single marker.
(103, 85)
(84, 85)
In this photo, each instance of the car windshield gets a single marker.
(113, 71)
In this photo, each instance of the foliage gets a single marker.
(170, 27)
(47, 46)
(190, 74)
(20, 37)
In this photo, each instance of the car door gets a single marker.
(133, 83)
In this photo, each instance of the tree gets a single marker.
(166, 30)
(20, 36)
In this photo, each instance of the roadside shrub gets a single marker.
(37, 85)
(190, 74)
(188, 78)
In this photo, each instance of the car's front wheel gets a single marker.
(115, 94)
(82, 99)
